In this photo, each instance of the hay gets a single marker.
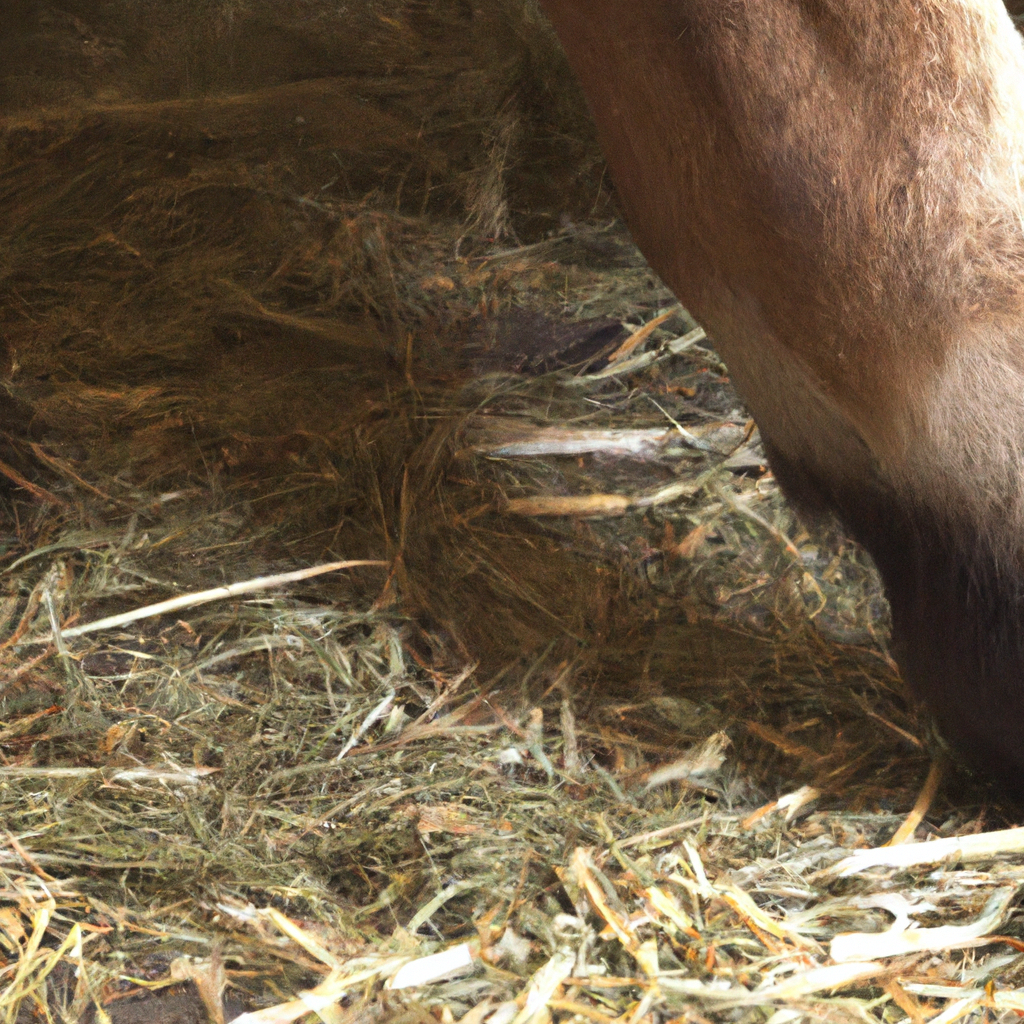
(597, 738)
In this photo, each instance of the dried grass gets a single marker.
(593, 742)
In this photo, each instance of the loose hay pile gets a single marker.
(594, 734)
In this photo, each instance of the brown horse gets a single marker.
(834, 187)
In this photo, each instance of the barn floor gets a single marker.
(589, 724)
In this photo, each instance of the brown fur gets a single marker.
(834, 188)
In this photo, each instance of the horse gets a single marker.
(834, 189)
